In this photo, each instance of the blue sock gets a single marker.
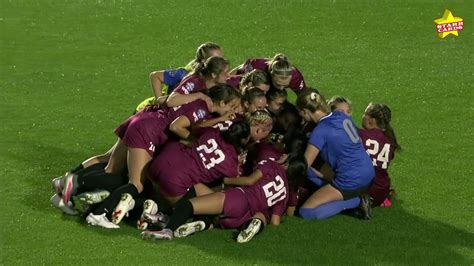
(329, 209)
(315, 179)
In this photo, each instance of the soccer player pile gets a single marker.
(224, 148)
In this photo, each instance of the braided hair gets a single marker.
(383, 116)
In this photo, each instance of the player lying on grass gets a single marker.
(213, 156)
(260, 198)
(335, 137)
(212, 72)
(184, 180)
(143, 132)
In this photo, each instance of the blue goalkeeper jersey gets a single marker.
(340, 146)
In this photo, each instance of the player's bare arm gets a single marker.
(156, 79)
(180, 127)
(244, 180)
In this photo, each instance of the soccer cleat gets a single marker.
(365, 207)
(149, 207)
(83, 201)
(56, 183)
(159, 218)
(92, 197)
(189, 229)
(165, 234)
(100, 220)
(126, 204)
(58, 202)
(248, 233)
(68, 189)
(386, 203)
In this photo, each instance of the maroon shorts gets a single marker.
(170, 170)
(236, 209)
(144, 130)
(378, 194)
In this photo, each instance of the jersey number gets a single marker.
(210, 154)
(224, 125)
(350, 130)
(274, 191)
(373, 149)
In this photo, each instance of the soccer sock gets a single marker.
(315, 179)
(138, 210)
(109, 204)
(329, 209)
(189, 195)
(183, 211)
(91, 169)
(207, 219)
(100, 180)
(79, 167)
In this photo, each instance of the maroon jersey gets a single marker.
(190, 84)
(297, 82)
(223, 126)
(195, 111)
(234, 81)
(149, 128)
(381, 151)
(178, 167)
(269, 194)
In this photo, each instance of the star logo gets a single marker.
(448, 24)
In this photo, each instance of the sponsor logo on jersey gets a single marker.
(301, 85)
(199, 114)
(188, 87)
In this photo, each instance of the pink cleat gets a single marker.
(386, 203)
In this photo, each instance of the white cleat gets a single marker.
(56, 183)
(165, 234)
(58, 202)
(126, 204)
(159, 219)
(189, 229)
(92, 197)
(149, 207)
(248, 233)
(100, 220)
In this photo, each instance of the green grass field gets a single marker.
(71, 71)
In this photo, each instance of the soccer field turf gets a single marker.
(71, 71)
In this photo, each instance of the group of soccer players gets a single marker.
(224, 148)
